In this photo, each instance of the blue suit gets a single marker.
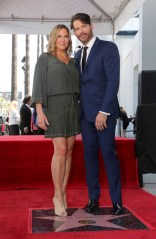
(99, 85)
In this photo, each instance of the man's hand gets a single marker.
(25, 130)
(100, 121)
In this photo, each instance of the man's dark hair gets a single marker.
(26, 99)
(83, 17)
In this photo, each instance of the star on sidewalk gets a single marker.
(80, 218)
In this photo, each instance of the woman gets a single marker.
(14, 118)
(56, 88)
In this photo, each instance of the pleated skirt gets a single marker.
(63, 116)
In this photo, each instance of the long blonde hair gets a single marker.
(13, 105)
(51, 47)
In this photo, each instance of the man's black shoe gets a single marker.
(117, 209)
(92, 206)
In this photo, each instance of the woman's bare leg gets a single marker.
(70, 144)
(58, 168)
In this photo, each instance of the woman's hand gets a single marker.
(42, 119)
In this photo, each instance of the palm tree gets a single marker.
(14, 68)
(42, 43)
(27, 66)
(38, 46)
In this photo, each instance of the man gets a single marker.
(99, 85)
(25, 116)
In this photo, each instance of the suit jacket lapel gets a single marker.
(92, 52)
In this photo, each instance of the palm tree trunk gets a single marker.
(42, 43)
(27, 65)
(38, 46)
(14, 68)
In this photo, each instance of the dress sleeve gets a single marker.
(39, 91)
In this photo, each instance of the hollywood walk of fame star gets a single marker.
(80, 218)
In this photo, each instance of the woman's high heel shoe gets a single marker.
(59, 211)
(65, 201)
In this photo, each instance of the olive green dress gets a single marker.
(56, 86)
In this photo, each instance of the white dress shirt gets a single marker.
(89, 45)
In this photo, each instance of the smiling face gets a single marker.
(59, 39)
(62, 40)
(83, 31)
